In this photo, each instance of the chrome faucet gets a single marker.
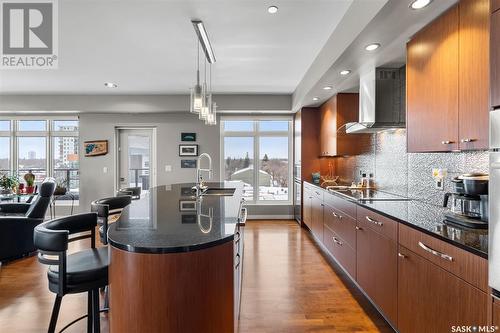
(199, 178)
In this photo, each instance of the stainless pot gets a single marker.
(475, 183)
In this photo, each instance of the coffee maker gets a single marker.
(469, 201)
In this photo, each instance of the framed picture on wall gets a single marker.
(95, 148)
(188, 137)
(187, 205)
(188, 150)
(188, 164)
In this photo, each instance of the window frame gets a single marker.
(256, 134)
(49, 134)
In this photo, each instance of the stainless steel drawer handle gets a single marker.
(358, 228)
(434, 252)
(401, 255)
(374, 221)
(336, 240)
(446, 142)
(467, 140)
(236, 240)
(337, 215)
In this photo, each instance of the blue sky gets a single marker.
(274, 147)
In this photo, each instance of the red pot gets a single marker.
(30, 189)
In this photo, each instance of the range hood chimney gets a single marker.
(381, 101)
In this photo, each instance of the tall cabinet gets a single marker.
(495, 55)
(447, 81)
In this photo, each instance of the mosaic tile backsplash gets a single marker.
(408, 174)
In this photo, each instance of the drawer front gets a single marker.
(341, 251)
(313, 190)
(463, 264)
(342, 224)
(378, 223)
(345, 206)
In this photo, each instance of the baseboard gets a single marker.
(271, 217)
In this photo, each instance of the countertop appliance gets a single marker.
(469, 201)
(494, 207)
(381, 100)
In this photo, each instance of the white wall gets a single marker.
(95, 184)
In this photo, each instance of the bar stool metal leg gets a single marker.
(95, 311)
(89, 312)
(55, 314)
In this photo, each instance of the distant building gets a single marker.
(32, 155)
(68, 147)
(246, 176)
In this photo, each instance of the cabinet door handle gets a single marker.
(434, 252)
(236, 240)
(467, 140)
(447, 142)
(336, 240)
(374, 221)
(238, 263)
(401, 255)
(358, 228)
(337, 215)
(322, 205)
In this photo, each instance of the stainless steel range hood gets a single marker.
(381, 101)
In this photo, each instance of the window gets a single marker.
(258, 152)
(47, 147)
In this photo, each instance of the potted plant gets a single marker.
(60, 187)
(30, 182)
(8, 184)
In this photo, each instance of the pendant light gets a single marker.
(197, 91)
(207, 98)
(211, 117)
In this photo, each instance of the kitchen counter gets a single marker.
(169, 220)
(429, 219)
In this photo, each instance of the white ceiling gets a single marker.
(149, 46)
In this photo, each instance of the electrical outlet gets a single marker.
(439, 184)
(168, 168)
(105, 170)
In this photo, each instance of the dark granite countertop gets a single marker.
(170, 219)
(429, 219)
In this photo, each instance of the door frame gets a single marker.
(117, 153)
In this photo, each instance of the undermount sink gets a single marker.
(219, 191)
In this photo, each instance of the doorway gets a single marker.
(136, 158)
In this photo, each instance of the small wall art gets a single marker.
(96, 148)
(188, 150)
(188, 137)
(188, 164)
(187, 205)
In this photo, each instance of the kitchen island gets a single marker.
(175, 261)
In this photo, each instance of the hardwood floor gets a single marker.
(288, 286)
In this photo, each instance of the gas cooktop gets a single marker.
(359, 194)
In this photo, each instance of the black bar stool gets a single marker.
(106, 207)
(83, 271)
(135, 192)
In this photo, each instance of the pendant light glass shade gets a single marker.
(196, 99)
(207, 104)
(212, 115)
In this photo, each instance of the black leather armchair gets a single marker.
(18, 220)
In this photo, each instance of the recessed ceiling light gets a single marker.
(272, 9)
(315, 98)
(419, 4)
(328, 88)
(372, 47)
(110, 85)
(345, 72)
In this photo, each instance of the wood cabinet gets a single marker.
(447, 81)
(495, 5)
(344, 254)
(473, 87)
(432, 86)
(496, 311)
(377, 270)
(335, 113)
(430, 299)
(495, 60)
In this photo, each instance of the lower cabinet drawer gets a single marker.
(463, 264)
(342, 224)
(340, 250)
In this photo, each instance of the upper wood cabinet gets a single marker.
(473, 87)
(335, 113)
(495, 60)
(495, 5)
(447, 81)
(432, 86)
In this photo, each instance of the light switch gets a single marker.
(168, 168)
(105, 170)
